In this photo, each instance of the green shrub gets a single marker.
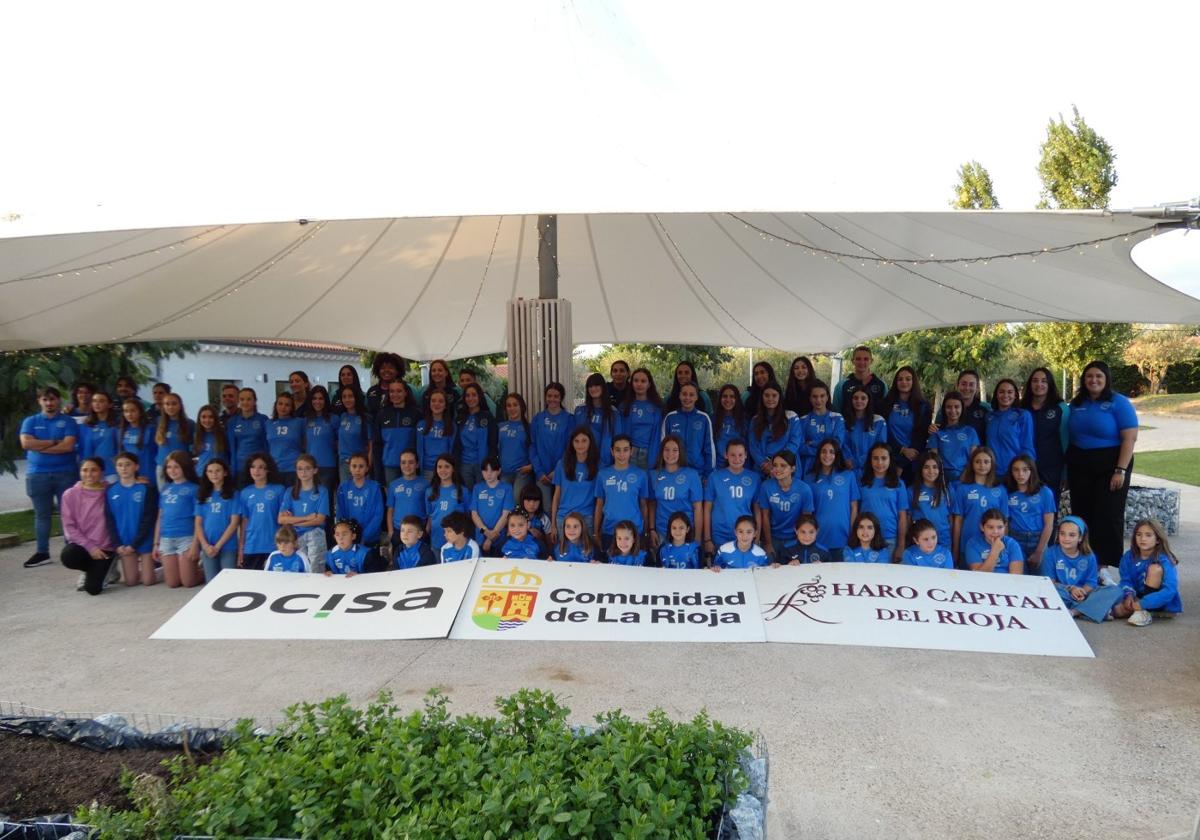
(335, 771)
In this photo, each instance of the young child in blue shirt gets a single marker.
(1031, 510)
(287, 557)
(574, 543)
(412, 550)
(681, 550)
(520, 543)
(955, 440)
(1148, 576)
(805, 548)
(868, 545)
(622, 491)
(931, 498)
(992, 550)
(362, 498)
(741, 552)
(978, 492)
(348, 557)
(926, 549)
(491, 501)
(886, 496)
(407, 495)
(457, 528)
(1070, 563)
(625, 551)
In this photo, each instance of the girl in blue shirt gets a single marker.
(741, 552)
(863, 430)
(475, 440)
(133, 511)
(395, 429)
(925, 550)
(520, 544)
(977, 493)
(210, 440)
(550, 432)
(820, 424)
(574, 546)
(781, 500)
(446, 495)
(1070, 564)
(642, 414)
(685, 374)
(835, 497)
(761, 375)
(625, 551)
(598, 414)
(99, 436)
(285, 438)
(728, 496)
(515, 444)
(175, 533)
(954, 441)
(1031, 511)
(259, 502)
(694, 428)
(774, 430)
(247, 432)
(320, 437)
(287, 556)
(1148, 575)
(1009, 427)
(361, 498)
(680, 551)
(869, 545)
(435, 433)
(575, 479)
(491, 502)
(217, 513)
(408, 495)
(931, 498)
(137, 434)
(1041, 399)
(729, 421)
(355, 432)
(990, 549)
(306, 508)
(348, 557)
(886, 496)
(172, 434)
(908, 417)
(674, 488)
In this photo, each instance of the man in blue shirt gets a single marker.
(48, 438)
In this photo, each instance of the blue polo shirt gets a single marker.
(1025, 512)
(886, 503)
(285, 441)
(320, 439)
(623, 492)
(729, 556)
(247, 435)
(939, 558)
(938, 514)
(260, 513)
(56, 427)
(491, 503)
(177, 509)
(310, 502)
(832, 495)
(866, 555)
(1097, 424)
(977, 550)
(954, 444)
(971, 500)
(408, 497)
(675, 492)
(215, 515)
(577, 493)
(784, 507)
(732, 495)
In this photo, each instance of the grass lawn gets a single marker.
(1169, 404)
(21, 524)
(1173, 464)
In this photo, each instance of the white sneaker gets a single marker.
(1107, 578)
(82, 585)
(1141, 618)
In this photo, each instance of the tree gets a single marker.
(974, 190)
(23, 372)
(1071, 346)
(1153, 349)
(661, 359)
(1077, 168)
(939, 354)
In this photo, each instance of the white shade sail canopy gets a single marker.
(436, 287)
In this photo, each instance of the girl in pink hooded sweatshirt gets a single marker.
(90, 545)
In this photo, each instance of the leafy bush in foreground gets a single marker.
(335, 771)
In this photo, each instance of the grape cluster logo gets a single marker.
(805, 595)
(506, 599)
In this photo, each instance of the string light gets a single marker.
(110, 263)
(951, 261)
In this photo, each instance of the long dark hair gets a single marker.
(660, 464)
(915, 396)
(206, 486)
(1016, 393)
(1034, 485)
(328, 410)
(481, 405)
(513, 395)
(652, 395)
(220, 441)
(868, 418)
(838, 458)
(356, 385)
(754, 392)
(878, 543)
(272, 469)
(1106, 394)
(738, 412)
(940, 491)
(435, 484)
(891, 478)
(795, 396)
(673, 400)
(593, 456)
(360, 411)
(608, 415)
(93, 418)
(447, 410)
(777, 421)
(1053, 397)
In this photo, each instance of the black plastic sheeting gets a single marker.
(101, 737)
(55, 827)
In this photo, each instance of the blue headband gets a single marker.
(1078, 523)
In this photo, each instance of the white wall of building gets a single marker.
(247, 367)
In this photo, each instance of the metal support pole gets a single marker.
(547, 256)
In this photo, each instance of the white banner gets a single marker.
(910, 607)
(416, 603)
(536, 599)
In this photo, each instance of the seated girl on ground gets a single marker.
(1148, 576)
(1070, 563)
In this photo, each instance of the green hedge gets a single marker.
(335, 771)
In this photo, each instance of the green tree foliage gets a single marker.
(661, 359)
(1077, 168)
(939, 354)
(1071, 346)
(23, 372)
(974, 189)
(1153, 349)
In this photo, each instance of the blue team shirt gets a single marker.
(469, 551)
(310, 502)
(573, 554)
(1009, 434)
(637, 558)
(622, 492)
(177, 509)
(524, 549)
(340, 561)
(577, 494)
(1025, 512)
(207, 449)
(817, 427)
(644, 425)
(858, 441)
(832, 496)
(215, 516)
(1065, 572)
(784, 507)
(939, 558)
(977, 549)
(728, 430)
(866, 555)
(732, 495)
(887, 503)
(260, 514)
(434, 439)
(550, 435)
(955, 444)
(100, 440)
(764, 446)
(320, 439)
(971, 500)
(448, 500)
(900, 423)
(491, 503)
(938, 514)
(1096, 424)
(364, 504)
(246, 436)
(397, 429)
(408, 497)
(354, 431)
(729, 556)
(141, 443)
(475, 437)
(604, 432)
(695, 429)
(279, 562)
(675, 492)
(513, 442)
(1133, 580)
(58, 427)
(172, 441)
(127, 506)
(285, 441)
(686, 556)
